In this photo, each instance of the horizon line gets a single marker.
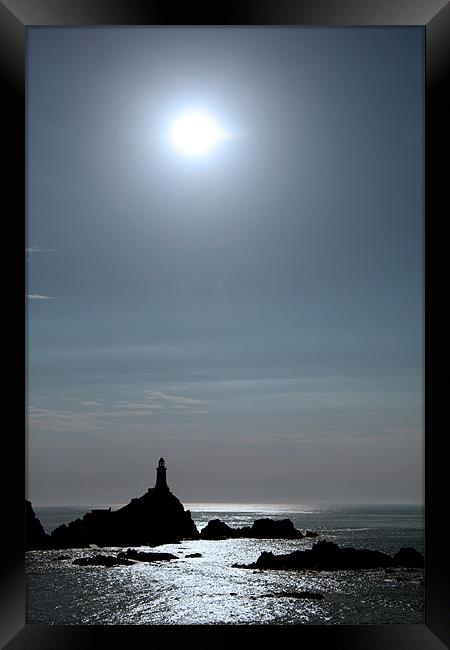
(238, 503)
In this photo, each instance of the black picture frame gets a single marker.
(15, 17)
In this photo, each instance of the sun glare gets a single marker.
(196, 133)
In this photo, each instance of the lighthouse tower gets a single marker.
(161, 483)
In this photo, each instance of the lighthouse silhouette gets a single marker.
(161, 482)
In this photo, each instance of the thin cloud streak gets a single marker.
(35, 249)
(101, 414)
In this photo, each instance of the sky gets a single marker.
(255, 314)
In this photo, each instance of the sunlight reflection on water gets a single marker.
(199, 590)
(208, 590)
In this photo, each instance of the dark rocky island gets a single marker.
(102, 560)
(327, 556)
(36, 538)
(127, 558)
(141, 556)
(261, 529)
(157, 517)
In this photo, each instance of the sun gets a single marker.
(196, 133)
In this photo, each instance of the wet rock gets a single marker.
(274, 529)
(261, 529)
(409, 557)
(216, 529)
(101, 560)
(326, 556)
(141, 556)
(194, 555)
(310, 533)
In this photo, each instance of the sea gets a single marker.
(207, 590)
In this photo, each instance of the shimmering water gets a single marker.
(207, 590)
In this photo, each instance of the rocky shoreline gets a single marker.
(328, 556)
(261, 529)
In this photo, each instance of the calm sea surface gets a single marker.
(207, 590)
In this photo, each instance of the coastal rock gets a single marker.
(328, 556)
(274, 529)
(216, 529)
(35, 536)
(101, 560)
(157, 517)
(194, 555)
(261, 529)
(409, 557)
(141, 556)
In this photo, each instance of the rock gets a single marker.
(327, 556)
(157, 517)
(313, 595)
(35, 536)
(274, 529)
(310, 533)
(101, 560)
(408, 556)
(141, 556)
(194, 555)
(216, 529)
(61, 557)
(261, 529)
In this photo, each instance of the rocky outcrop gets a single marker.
(124, 558)
(261, 529)
(35, 536)
(216, 529)
(327, 556)
(157, 517)
(102, 560)
(409, 557)
(141, 556)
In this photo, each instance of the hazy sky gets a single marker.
(255, 315)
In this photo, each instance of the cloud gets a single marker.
(37, 296)
(103, 415)
(179, 401)
(404, 431)
(62, 421)
(36, 249)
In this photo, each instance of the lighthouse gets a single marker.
(161, 483)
